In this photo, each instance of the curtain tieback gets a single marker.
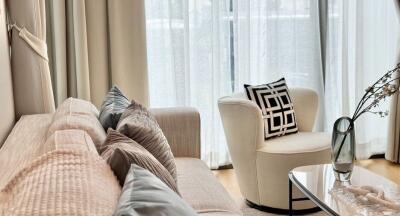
(38, 45)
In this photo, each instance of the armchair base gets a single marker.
(282, 211)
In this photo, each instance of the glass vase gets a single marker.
(343, 148)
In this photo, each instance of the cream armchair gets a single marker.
(262, 166)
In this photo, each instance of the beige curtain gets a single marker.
(95, 44)
(393, 148)
(29, 62)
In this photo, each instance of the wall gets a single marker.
(7, 115)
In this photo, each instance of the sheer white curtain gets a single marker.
(278, 38)
(201, 50)
(362, 42)
(189, 63)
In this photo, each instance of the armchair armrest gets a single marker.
(181, 127)
(243, 125)
(244, 131)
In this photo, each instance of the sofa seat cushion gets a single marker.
(297, 143)
(202, 190)
(278, 156)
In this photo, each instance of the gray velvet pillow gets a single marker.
(112, 108)
(144, 194)
(138, 124)
(120, 152)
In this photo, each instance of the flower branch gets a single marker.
(383, 88)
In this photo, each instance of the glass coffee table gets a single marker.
(317, 183)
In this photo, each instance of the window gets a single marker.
(199, 51)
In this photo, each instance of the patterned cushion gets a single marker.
(121, 151)
(112, 108)
(138, 124)
(276, 107)
(144, 194)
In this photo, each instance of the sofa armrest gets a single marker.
(181, 127)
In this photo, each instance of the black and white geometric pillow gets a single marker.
(276, 106)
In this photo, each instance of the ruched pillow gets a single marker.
(138, 124)
(121, 151)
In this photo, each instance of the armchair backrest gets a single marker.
(305, 102)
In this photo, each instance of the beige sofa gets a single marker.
(196, 183)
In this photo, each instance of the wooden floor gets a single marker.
(380, 166)
(227, 178)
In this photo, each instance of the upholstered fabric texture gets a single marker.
(138, 124)
(202, 190)
(121, 151)
(62, 182)
(86, 123)
(280, 155)
(144, 194)
(276, 107)
(262, 166)
(112, 108)
(79, 114)
(24, 144)
(27, 142)
(181, 127)
(71, 139)
(76, 106)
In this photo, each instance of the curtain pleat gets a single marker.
(393, 147)
(361, 48)
(100, 43)
(189, 64)
(128, 56)
(280, 39)
(57, 48)
(33, 91)
(97, 32)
